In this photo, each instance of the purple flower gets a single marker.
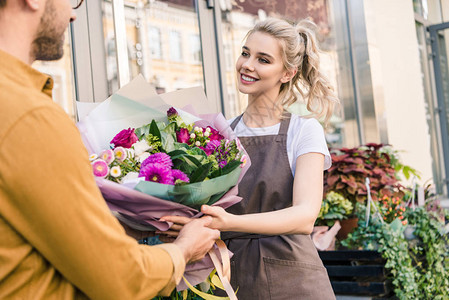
(125, 138)
(171, 112)
(158, 158)
(214, 134)
(222, 163)
(182, 135)
(179, 175)
(210, 147)
(157, 173)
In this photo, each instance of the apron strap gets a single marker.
(285, 122)
(236, 121)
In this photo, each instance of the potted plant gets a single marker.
(351, 167)
(418, 268)
(333, 207)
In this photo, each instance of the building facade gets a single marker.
(387, 60)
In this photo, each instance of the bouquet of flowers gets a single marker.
(179, 162)
(151, 159)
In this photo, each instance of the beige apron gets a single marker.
(272, 267)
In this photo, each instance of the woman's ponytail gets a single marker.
(315, 88)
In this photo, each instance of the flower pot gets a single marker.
(409, 232)
(347, 226)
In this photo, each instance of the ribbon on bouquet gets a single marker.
(223, 270)
(370, 203)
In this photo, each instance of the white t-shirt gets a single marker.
(304, 135)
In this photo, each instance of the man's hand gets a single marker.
(195, 239)
(137, 234)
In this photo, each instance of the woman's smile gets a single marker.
(246, 79)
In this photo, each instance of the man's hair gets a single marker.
(2, 3)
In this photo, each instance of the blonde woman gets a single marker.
(269, 230)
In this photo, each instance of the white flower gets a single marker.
(120, 153)
(130, 176)
(141, 157)
(130, 152)
(208, 129)
(207, 133)
(140, 147)
(93, 157)
(197, 143)
(192, 135)
(115, 171)
(197, 129)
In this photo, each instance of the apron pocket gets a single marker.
(288, 280)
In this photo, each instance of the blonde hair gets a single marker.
(300, 51)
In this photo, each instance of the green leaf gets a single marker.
(231, 166)
(201, 173)
(168, 137)
(154, 130)
(175, 154)
(191, 160)
(142, 131)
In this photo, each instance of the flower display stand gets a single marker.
(357, 273)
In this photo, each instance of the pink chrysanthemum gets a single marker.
(179, 175)
(158, 158)
(107, 156)
(157, 173)
(244, 160)
(100, 168)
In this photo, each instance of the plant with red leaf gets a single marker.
(351, 167)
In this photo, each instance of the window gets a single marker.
(155, 42)
(175, 46)
(195, 48)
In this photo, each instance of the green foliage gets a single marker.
(418, 267)
(333, 207)
(430, 253)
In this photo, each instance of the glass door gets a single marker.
(439, 38)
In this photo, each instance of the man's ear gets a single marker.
(288, 75)
(33, 4)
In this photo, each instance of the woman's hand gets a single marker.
(173, 232)
(221, 219)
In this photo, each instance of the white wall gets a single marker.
(397, 83)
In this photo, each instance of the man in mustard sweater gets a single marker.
(58, 239)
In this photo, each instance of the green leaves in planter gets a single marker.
(418, 267)
(333, 207)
